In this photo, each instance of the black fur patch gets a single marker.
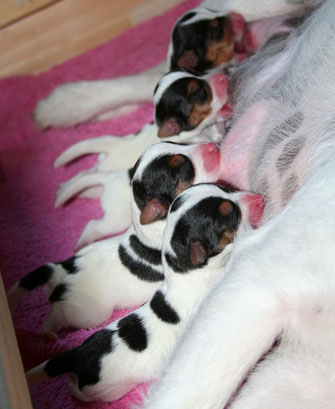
(70, 265)
(36, 278)
(163, 310)
(153, 256)
(177, 203)
(57, 293)
(177, 103)
(205, 223)
(140, 270)
(187, 16)
(84, 360)
(133, 333)
(161, 180)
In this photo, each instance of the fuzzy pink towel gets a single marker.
(32, 231)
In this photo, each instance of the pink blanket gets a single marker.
(32, 231)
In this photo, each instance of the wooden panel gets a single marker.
(68, 28)
(151, 8)
(11, 10)
(14, 392)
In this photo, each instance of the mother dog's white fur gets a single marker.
(281, 279)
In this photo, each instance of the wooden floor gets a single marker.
(37, 34)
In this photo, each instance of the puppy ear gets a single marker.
(188, 60)
(169, 128)
(198, 254)
(154, 210)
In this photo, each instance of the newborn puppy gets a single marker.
(187, 109)
(123, 271)
(208, 39)
(201, 226)
(203, 39)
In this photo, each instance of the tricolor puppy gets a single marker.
(201, 226)
(204, 39)
(123, 271)
(187, 110)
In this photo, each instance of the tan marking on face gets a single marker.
(200, 112)
(226, 208)
(227, 237)
(181, 186)
(222, 51)
(176, 160)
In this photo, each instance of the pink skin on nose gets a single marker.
(220, 85)
(210, 155)
(255, 205)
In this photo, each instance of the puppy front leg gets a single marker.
(116, 153)
(73, 103)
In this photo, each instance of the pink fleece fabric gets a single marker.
(32, 231)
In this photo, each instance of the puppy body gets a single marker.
(134, 349)
(123, 271)
(280, 285)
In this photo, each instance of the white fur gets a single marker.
(281, 281)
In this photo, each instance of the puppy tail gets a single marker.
(88, 146)
(29, 282)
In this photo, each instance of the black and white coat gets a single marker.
(201, 226)
(123, 271)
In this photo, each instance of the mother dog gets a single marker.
(265, 338)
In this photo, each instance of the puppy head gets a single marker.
(163, 171)
(202, 223)
(185, 104)
(203, 40)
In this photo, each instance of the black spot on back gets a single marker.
(36, 278)
(163, 309)
(58, 293)
(70, 265)
(140, 270)
(84, 360)
(153, 256)
(133, 333)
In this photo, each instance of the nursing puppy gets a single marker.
(206, 38)
(123, 271)
(186, 106)
(280, 285)
(200, 229)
